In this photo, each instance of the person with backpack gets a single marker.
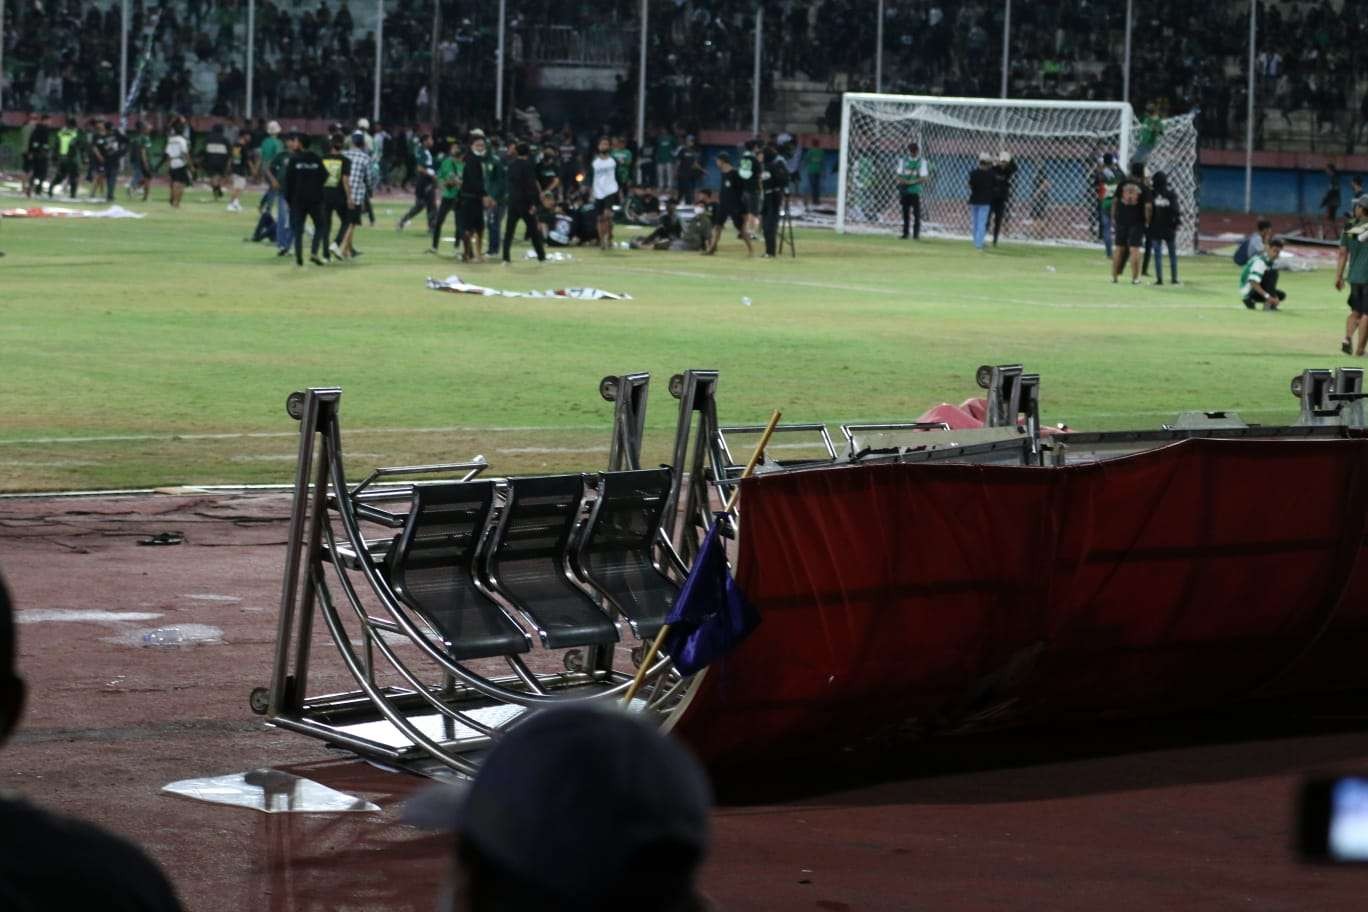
(1259, 279)
(1255, 244)
(1164, 221)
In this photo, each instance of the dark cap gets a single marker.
(724, 157)
(570, 799)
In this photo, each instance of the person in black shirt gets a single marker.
(774, 181)
(1164, 221)
(523, 195)
(688, 168)
(730, 205)
(474, 200)
(51, 861)
(1003, 172)
(548, 171)
(751, 190)
(216, 157)
(39, 152)
(666, 232)
(99, 152)
(981, 198)
(304, 180)
(1130, 215)
(112, 153)
(338, 168)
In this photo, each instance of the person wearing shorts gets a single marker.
(1130, 215)
(241, 167)
(177, 157)
(605, 189)
(1353, 254)
(731, 205)
(216, 159)
(474, 200)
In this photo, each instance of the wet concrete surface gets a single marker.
(1175, 814)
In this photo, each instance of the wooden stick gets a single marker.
(654, 648)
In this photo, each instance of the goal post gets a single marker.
(1055, 146)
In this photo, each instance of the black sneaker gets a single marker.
(1345, 347)
(313, 258)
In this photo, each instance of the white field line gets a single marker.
(271, 435)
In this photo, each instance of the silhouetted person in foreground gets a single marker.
(638, 801)
(50, 862)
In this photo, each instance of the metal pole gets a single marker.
(878, 50)
(499, 59)
(379, 57)
(2, 54)
(435, 68)
(1249, 110)
(641, 78)
(1125, 67)
(1006, 45)
(755, 75)
(251, 55)
(123, 61)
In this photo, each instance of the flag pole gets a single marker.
(654, 648)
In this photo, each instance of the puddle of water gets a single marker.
(68, 615)
(174, 635)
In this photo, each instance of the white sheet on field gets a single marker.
(112, 212)
(455, 284)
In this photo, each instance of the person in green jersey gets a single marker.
(1353, 254)
(665, 147)
(496, 187)
(140, 159)
(1259, 279)
(1151, 130)
(1107, 178)
(449, 184)
(814, 162)
(68, 146)
(623, 156)
(912, 175)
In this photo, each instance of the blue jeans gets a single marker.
(493, 222)
(284, 232)
(1157, 251)
(1105, 212)
(979, 214)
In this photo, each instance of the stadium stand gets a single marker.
(317, 59)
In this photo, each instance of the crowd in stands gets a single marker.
(317, 57)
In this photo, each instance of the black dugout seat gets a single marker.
(431, 568)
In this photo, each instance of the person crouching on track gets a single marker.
(304, 179)
(1259, 279)
(1353, 253)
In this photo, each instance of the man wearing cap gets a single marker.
(638, 801)
(981, 198)
(1259, 279)
(1353, 253)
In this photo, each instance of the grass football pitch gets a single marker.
(160, 351)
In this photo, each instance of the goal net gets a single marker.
(1056, 147)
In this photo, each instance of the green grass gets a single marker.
(170, 330)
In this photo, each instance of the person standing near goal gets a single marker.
(1003, 172)
(1131, 214)
(912, 175)
(1108, 178)
(981, 198)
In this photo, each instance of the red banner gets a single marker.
(932, 597)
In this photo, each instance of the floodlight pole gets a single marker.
(379, 58)
(1006, 45)
(878, 50)
(123, 60)
(1126, 65)
(641, 79)
(435, 67)
(755, 75)
(251, 54)
(499, 63)
(1249, 109)
(2, 54)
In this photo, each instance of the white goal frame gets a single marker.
(1123, 113)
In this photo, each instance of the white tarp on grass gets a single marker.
(456, 285)
(114, 212)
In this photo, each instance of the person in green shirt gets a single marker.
(496, 188)
(665, 147)
(623, 156)
(1353, 254)
(1259, 279)
(68, 158)
(273, 162)
(449, 174)
(1151, 129)
(814, 161)
(911, 177)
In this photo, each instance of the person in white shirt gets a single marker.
(605, 190)
(177, 155)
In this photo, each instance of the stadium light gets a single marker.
(380, 54)
(1006, 44)
(1125, 68)
(878, 50)
(755, 76)
(1249, 110)
(641, 81)
(123, 62)
(251, 53)
(2, 55)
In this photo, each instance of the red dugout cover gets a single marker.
(930, 597)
